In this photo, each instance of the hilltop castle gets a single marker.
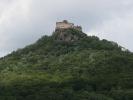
(62, 34)
(66, 25)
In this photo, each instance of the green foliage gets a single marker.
(85, 69)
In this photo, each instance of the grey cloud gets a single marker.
(23, 21)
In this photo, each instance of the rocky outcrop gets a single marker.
(68, 35)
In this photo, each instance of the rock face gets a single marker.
(68, 35)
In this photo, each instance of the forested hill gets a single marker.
(68, 65)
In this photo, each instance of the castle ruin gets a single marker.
(66, 25)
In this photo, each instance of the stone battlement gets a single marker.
(66, 25)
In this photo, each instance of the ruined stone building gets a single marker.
(66, 25)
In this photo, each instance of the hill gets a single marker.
(68, 65)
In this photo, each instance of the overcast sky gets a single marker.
(22, 22)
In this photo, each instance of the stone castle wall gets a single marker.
(62, 25)
(65, 25)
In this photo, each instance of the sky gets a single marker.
(22, 22)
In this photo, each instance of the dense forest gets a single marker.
(72, 66)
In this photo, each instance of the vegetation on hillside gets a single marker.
(51, 69)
